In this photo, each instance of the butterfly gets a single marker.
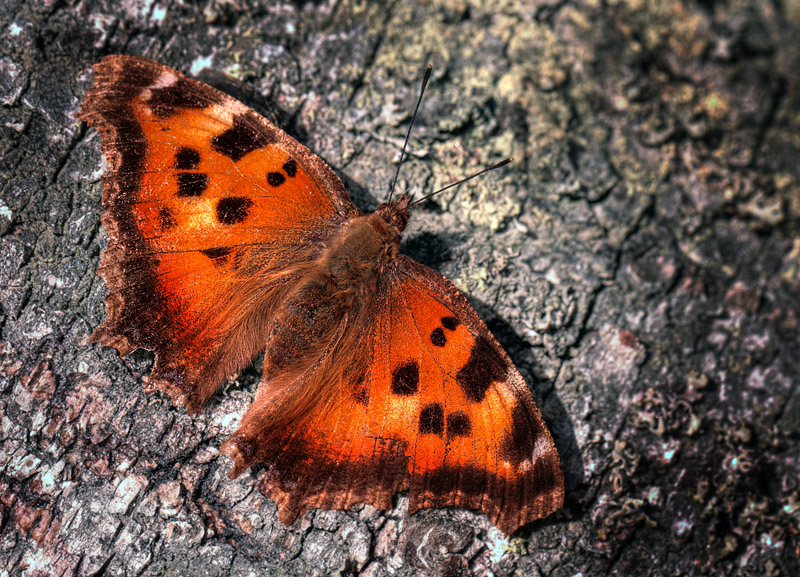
(226, 238)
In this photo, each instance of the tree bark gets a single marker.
(639, 261)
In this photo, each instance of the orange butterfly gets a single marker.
(227, 237)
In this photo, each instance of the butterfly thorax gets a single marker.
(362, 250)
(337, 289)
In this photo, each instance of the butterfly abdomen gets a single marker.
(337, 288)
(320, 322)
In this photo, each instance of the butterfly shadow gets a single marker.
(555, 415)
(430, 248)
(246, 93)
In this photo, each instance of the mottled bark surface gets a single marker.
(640, 261)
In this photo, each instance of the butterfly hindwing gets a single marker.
(211, 211)
(439, 410)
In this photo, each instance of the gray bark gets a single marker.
(640, 261)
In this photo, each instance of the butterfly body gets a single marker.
(227, 238)
(338, 291)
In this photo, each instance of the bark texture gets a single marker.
(640, 261)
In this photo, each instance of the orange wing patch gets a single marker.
(209, 207)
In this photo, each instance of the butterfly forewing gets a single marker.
(212, 212)
(481, 442)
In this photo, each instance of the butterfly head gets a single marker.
(395, 213)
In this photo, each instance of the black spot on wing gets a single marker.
(218, 254)
(361, 394)
(166, 219)
(240, 139)
(431, 419)
(186, 158)
(405, 379)
(192, 183)
(233, 209)
(519, 442)
(182, 94)
(275, 179)
(438, 338)
(450, 323)
(485, 366)
(458, 424)
(362, 397)
(290, 167)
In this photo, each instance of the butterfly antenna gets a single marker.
(463, 180)
(410, 126)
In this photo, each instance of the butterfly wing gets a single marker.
(440, 411)
(480, 442)
(211, 212)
